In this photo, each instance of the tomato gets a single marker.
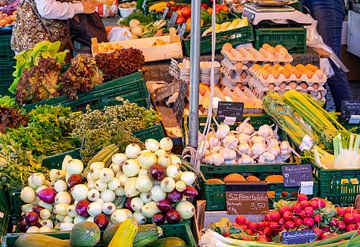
(180, 20)
(186, 12)
(218, 8)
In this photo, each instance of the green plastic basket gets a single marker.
(235, 37)
(294, 39)
(156, 132)
(4, 211)
(5, 48)
(215, 197)
(332, 189)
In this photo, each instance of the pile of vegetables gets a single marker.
(11, 118)
(113, 125)
(330, 224)
(244, 145)
(144, 185)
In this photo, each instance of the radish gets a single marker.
(289, 225)
(333, 222)
(349, 210)
(318, 232)
(284, 209)
(240, 220)
(288, 216)
(275, 216)
(349, 218)
(341, 225)
(304, 204)
(302, 197)
(253, 226)
(274, 226)
(341, 211)
(308, 211)
(317, 218)
(296, 208)
(308, 222)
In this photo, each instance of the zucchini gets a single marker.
(40, 240)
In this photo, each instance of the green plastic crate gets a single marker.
(293, 39)
(155, 132)
(131, 87)
(181, 230)
(4, 211)
(55, 161)
(235, 37)
(5, 48)
(297, 5)
(215, 195)
(332, 189)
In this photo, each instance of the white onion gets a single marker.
(152, 145)
(132, 151)
(166, 144)
(131, 167)
(27, 195)
(118, 158)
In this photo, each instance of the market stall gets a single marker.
(195, 124)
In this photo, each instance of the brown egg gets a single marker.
(303, 85)
(227, 47)
(282, 85)
(264, 73)
(275, 73)
(293, 85)
(267, 65)
(239, 66)
(286, 73)
(276, 66)
(312, 67)
(309, 74)
(315, 86)
(271, 86)
(319, 73)
(301, 67)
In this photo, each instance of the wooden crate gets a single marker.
(151, 52)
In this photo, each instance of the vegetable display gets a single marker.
(142, 185)
(11, 118)
(244, 145)
(330, 223)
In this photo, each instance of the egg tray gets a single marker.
(228, 64)
(265, 56)
(236, 76)
(292, 78)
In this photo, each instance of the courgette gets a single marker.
(40, 240)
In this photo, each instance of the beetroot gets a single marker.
(175, 196)
(157, 172)
(102, 221)
(172, 216)
(32, 218)
(190, 191)
(164, 205)
(47, 195)
(75, 179)
(81, 208)
(158, 219)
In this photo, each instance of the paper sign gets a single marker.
(173, 19)
(350, 108)
(247, 198)
(298, 237)
(166, 10)
(181, 30)
(230, 109)
(295, 174)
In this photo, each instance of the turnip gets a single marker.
(172, 171)
(143, 183)
(47, 223)
(120, 192)
(145, 197)
(136, 204)
(71, 211)
(157, 194)
(152, 145)
(60, 185)
(132, 151)
(108, 208)
(63, 198)
(149, 209)
(188, 178)
(164, 161)
(27, 195)
(139, 218)
(175, 160)
(56, 174)
(32, 229)
(146, 160)
(47, 195)
(26, 208)
(114, 184)
(68, 219)
(180, 186)
(79, 192)
(36, 180)
(123, 179)
(45, 214)
(74, 166)
(130, 188)
(167, 184)
(166, 144)
(108, 195)
(45, 205)
(106, 175)
(94, 209)
(131, 168)
(66, 226)
(160, 153)
(119, 216)
(118, 158)
(100, 186)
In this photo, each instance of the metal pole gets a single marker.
(194, 72)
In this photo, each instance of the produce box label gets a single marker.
(350, 108)
(295, 174)
(230, 109)
(166, 91)
(298, 237)
(247, 198)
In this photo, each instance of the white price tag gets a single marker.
(354, 119)
(307, 187)
(229, 120)
(307, 143)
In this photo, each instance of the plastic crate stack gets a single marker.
(7, 62)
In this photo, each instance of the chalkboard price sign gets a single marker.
(247, 198)
(295, 174)
(230, 109)
(298, 237)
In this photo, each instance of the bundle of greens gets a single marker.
(7, 101)
(31, 57)
(11, 118)
(82, 76)
(39, 82)
(120, 63)
(113, 125)
(138, 15)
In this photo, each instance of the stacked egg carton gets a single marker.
(233, 74)
(306, 79)
(181, 71)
